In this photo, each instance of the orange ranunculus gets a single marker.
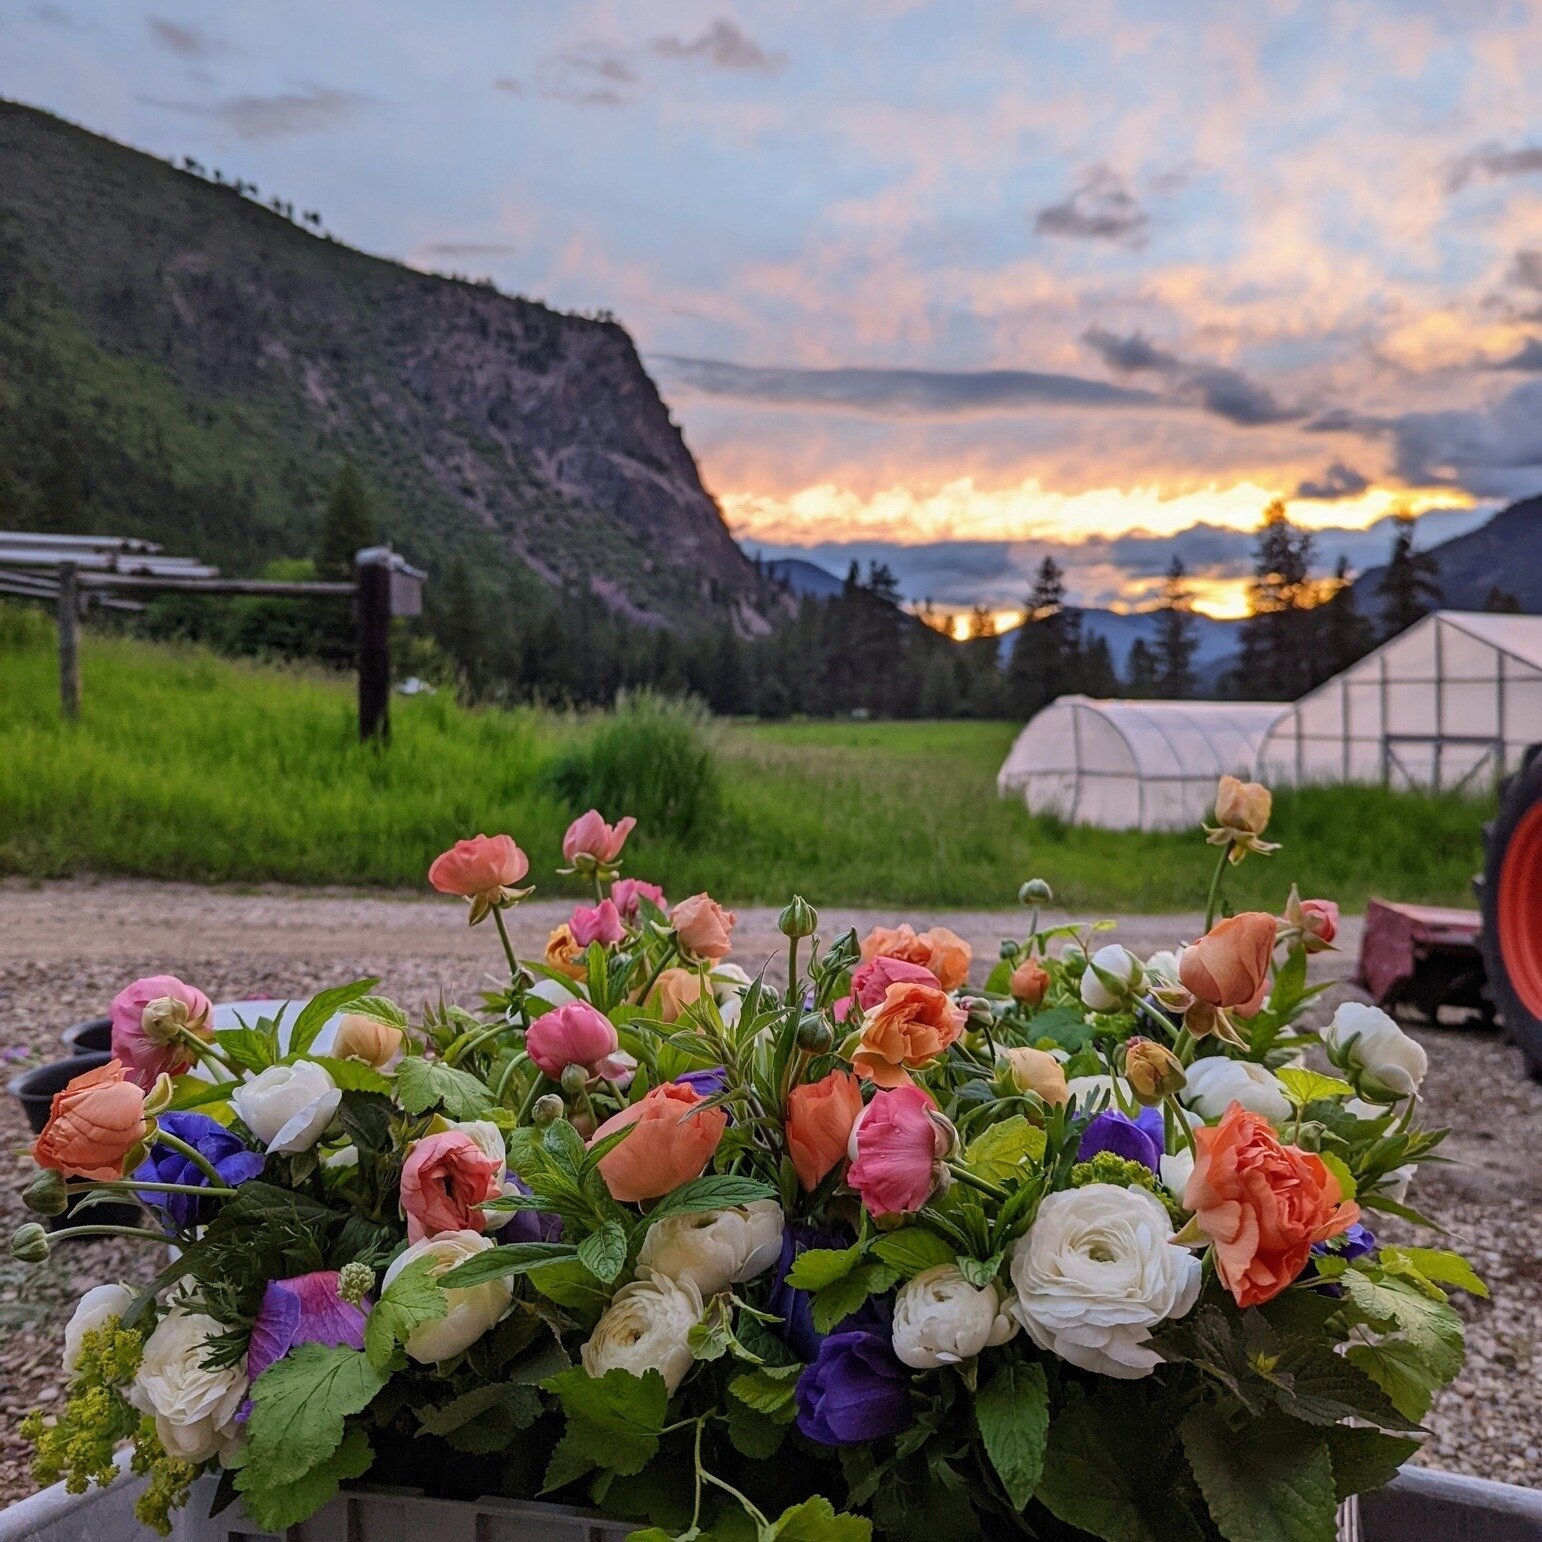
(703, 926)
(669, 1145)
(819, 1120)
(945, 953)
(1229, 965)
(93, 1124)
(911, 1026)
(1263, 1204)
(673, 992)
(1029, 982)
(564, 954)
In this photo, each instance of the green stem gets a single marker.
(197, 1158)
(1171, 1111)
(133, 1186)
(653, 979)
(1213, 898)
(108, 1231)
(530, 1099)
(974, 1181)
(472, 1039)
(508, 1076)
(208, 1052)
(792, 965)
(754, 1514)
(508, 947)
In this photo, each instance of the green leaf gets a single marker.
(413, 1298)
(842, 1297)
(753, 1434)
(1318, 1386)
(381, 1009)
(718, 1191)
(1012, 1410)
(567, 1282)
(1269, 1482)
(819, 1267)
(1001, 1153)
(816, 1520)
(1065, 1027)
(424, 1084)
(255, 1049)
(1365, 1459)
(768, 1390)
(1423, 1348)
(485, 1419)
(912, 1251)
(298, 1407)
(324, 1005)
(1437, 1264)
(290, 1498)
(613, 1422)
(1340, 1170)
(603, 1252)
(980, 1271)
(499, 1262)
(351, 1075)
(1302, 1086)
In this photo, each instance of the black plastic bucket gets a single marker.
(94, 1036)
(35, 1090)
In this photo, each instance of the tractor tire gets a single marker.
(1510, 894)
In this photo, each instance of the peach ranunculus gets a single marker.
(669, 1144)
(485, 870)
(910, 1027)
(819, 1120)
(672, 993)
(93, 1125)
(1262, 1204)
(590, 842)
(564, 954)
(377, 1044)
(1242, 812)
(597, 923)
(1229, 965)
(572, 1034)
(444, 1181)
(1028, 983)
(944, 952)
(147, 1021)
(1036, 1071)
(870, 983)
(703, 926)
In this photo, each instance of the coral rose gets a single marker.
(598, 923)
(819, 1120)
(564, 954)
(900, 1142)
(703, 926)
(590, 840)
(572, 1034)
(911, 1027)
(1029, 982)
(147, 1021)
(1229, 965)
(93, 1124)
(943, 952)
(445, 1178)
(673, 992)
(669, 1144)
(1263, 1204)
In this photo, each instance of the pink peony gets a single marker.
(485, 864)
(444, 1181)
(598, 923)
(145, 1018)
(899, 1142)
(572, 1034)
(589, 836)
(627, 891)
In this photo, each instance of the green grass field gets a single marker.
(189, 766)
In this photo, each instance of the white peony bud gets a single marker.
(713, 1249)
(472, 1310)
(93, 1309)
(194, 1408)
(287, 1107)
(1385, 1063)
(1122, 967)
(1096, 1272)
(647, 1327)
(941, 1319)
(1216, 1082)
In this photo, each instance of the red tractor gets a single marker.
(1510, 896)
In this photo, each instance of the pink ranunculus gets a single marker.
(598, 923)
(627, 891)
(1319, 923)
(589, 836)
(704, 927)
(445, 1179)
(572, 1034)
(900, 1141)
(870, 984)
(483, 865)
(145, 1018)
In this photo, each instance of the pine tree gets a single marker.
(347, 525)
(1143, 668)
(1501, 601)
(1175, 639)
(1345, 635)
(1095, 669)
(1410, 583)
(1037, 670)
(1275, 660)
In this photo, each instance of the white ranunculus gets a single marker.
(486, 1136)
(1395, 1184)
(1090, 1090)
(646, 1327)
(1390, 1065)
(1175, 1170)
(555, 994)
(1163, 967)
(472, 1310)
(1096, 1272)
(941, 1319)
(1216, 1082)
(93, 1309)
(1122, 965)
(288, 1106)
(714, 1249)
(194, 1408)
(729, 982)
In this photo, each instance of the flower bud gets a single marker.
(160, 1096)
(815, 1035)
(354, 1282)
(1029, 982)
(798, 918)
(1035, 892)
(1008, 950)
(164, 1019)
(30, 1243)
(46, 1194)
(1242, 806)
(574, 1079)
(1153, 1071)
(1036, 1071)
(548, 1109)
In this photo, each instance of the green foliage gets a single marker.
(413, 1298)
(613, 1421)
(424, 1084)
(347, 525)
(1012, 1410)
(1271, 1481)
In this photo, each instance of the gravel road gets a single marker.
(65, 948)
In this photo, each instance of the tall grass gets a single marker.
(188, 766)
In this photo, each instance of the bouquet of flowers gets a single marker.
(1086, 1252)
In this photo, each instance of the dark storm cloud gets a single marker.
(1489, 163)
(1099, 208)
(1338, 481)
(725, 46)
(184, 39)
(306, 111)
(898, 392)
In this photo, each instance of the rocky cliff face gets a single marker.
(204, 364)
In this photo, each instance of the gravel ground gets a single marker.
(66, 948)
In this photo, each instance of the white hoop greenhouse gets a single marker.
(1133, 765)
(1451, 703)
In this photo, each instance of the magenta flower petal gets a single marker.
(304, 1310)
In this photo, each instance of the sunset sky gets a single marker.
(954, 284)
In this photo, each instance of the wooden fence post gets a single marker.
(374, 615)
(68, 613)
